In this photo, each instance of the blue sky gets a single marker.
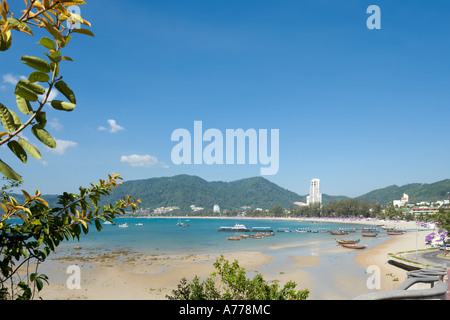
(360, 109)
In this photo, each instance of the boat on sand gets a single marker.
(342, 241)
(353, 246)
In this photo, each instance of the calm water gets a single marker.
(162, 235)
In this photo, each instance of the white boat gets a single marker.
(107, 222)
(124, 225)
(237, 227)
(139, 224)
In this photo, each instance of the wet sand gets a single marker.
(391, 276)
(124, 274)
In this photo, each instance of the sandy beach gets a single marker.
(124, 274)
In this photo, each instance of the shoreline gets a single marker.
(391, 276)
(400, 224)
(124, 274)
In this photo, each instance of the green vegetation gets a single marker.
(229, 282)
(257, 192)
(25, 245)
(417, 192)
(443, 218)
(185, 190)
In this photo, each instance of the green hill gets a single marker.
(185, 190)
(257, 192)
(416, 191)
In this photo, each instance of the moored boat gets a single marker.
(233, 238)
(369, 230)
(395, 232)
(262, 229)
(237, 228)
(372, 235)
(342, 241)
(340, 233)
(353, 246)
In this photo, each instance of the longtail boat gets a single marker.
(373, 235)
(395, 232)
(233, 238)
(341, 241)
(340, 233)
(352, 246)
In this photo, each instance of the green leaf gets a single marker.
(28, 90)
(16, 119)
(25, 93)
(41, 118)
(54, 32)
(39, 284)
(36, 222)
(5, 40)
(62, 105)
(98, 225)
(20, 26)
(38, 76)
(84, 31)
(24, 105)
(9, 172)
(66, 91)
(7, 119)
(36, 63)
(48, 43)
(54, 57)
(43, 136)
(32, 151)
(17, 149)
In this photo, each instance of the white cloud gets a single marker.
(12, 79)
(55, 124)
(62, 146)
(146, 161)
(113, 127)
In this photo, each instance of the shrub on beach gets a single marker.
(229, 282)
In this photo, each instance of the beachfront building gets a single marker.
(426, 210)
(195, 208)
(401, 203)
(216, 208)
(314, 192)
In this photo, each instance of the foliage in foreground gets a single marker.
(232, 284)
(25, 245)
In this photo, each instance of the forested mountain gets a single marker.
(185, 190)
(257, 192)
(416, 191)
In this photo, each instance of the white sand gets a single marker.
(128, 275)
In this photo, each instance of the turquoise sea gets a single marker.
(157, 235)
